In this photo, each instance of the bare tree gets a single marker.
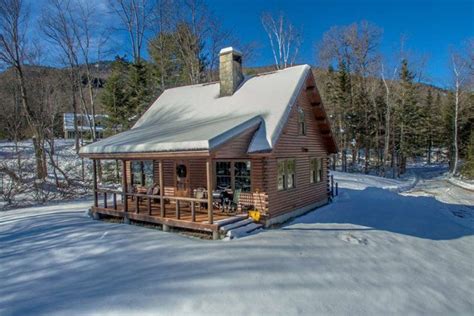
(135, 16)
(285, 39)
(13, 53)
(461, 68)
(56, 25)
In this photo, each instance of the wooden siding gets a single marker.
(236, 148)
(302, 148)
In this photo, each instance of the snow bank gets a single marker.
(461, 183)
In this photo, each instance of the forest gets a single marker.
(384, 111)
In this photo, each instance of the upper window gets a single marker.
(316, 170)
(301, 122)
(142, 173)
(286, 174)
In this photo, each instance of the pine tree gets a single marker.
(115, 97)
(343, 105)
(138, 89)
(409, 117)
(468, 167)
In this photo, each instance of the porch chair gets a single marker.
(199, 193)
(234, 204)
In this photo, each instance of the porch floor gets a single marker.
(171, 218)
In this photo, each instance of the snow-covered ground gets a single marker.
(374, 251)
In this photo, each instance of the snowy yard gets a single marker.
(375, 250)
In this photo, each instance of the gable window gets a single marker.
(316, 170)
(286, 174)
(301, 122)
(142, 173)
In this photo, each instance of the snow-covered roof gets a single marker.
(84, 121)
(196, 118)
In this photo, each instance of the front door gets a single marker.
(182, 178)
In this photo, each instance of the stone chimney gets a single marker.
(230, 70)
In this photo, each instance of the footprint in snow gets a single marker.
(353, 239)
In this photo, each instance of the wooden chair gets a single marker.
(199, 193)
(235, 203)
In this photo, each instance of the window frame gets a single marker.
(286, 174)
(302, 128)
(316, 170)
(233, 175)
(143, 177)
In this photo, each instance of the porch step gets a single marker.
(230, 220)
(224, 229)
(243, 230)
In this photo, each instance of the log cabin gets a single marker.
(203, 156)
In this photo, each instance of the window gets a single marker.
(148, 173)
(234, 175)
(223, 174)
(301, 122)
(316, 170)
(281, 175)
(242, 176)
(142, 173)
(286, 174)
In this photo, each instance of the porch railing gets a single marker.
(137, 198)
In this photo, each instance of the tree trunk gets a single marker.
(38, 143)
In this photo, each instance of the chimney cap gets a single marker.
(230, 49)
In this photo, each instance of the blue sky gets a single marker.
(431, 28)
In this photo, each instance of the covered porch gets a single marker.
(173, 191)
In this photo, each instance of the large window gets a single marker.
(242, 176)
(286, 174)
(316, 170)
(234, 175)
(301, 122)
(223, 175)
(142, 173)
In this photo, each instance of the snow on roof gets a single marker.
(83, 121)
(196, 117)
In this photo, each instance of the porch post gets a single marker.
(124, 186)
(209, 189)
(162, 189)
(94, 171)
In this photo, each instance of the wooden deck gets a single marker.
(174, 217)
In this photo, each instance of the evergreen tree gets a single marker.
(468, 167)
(167, 64)
(139, 91)
(115, 97)
(343, 104)
(409, 118)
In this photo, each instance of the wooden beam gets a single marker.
(124, 186)
(209, 190)
(178, 210)
(94, 172)
(193, 211)
(162, 189)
